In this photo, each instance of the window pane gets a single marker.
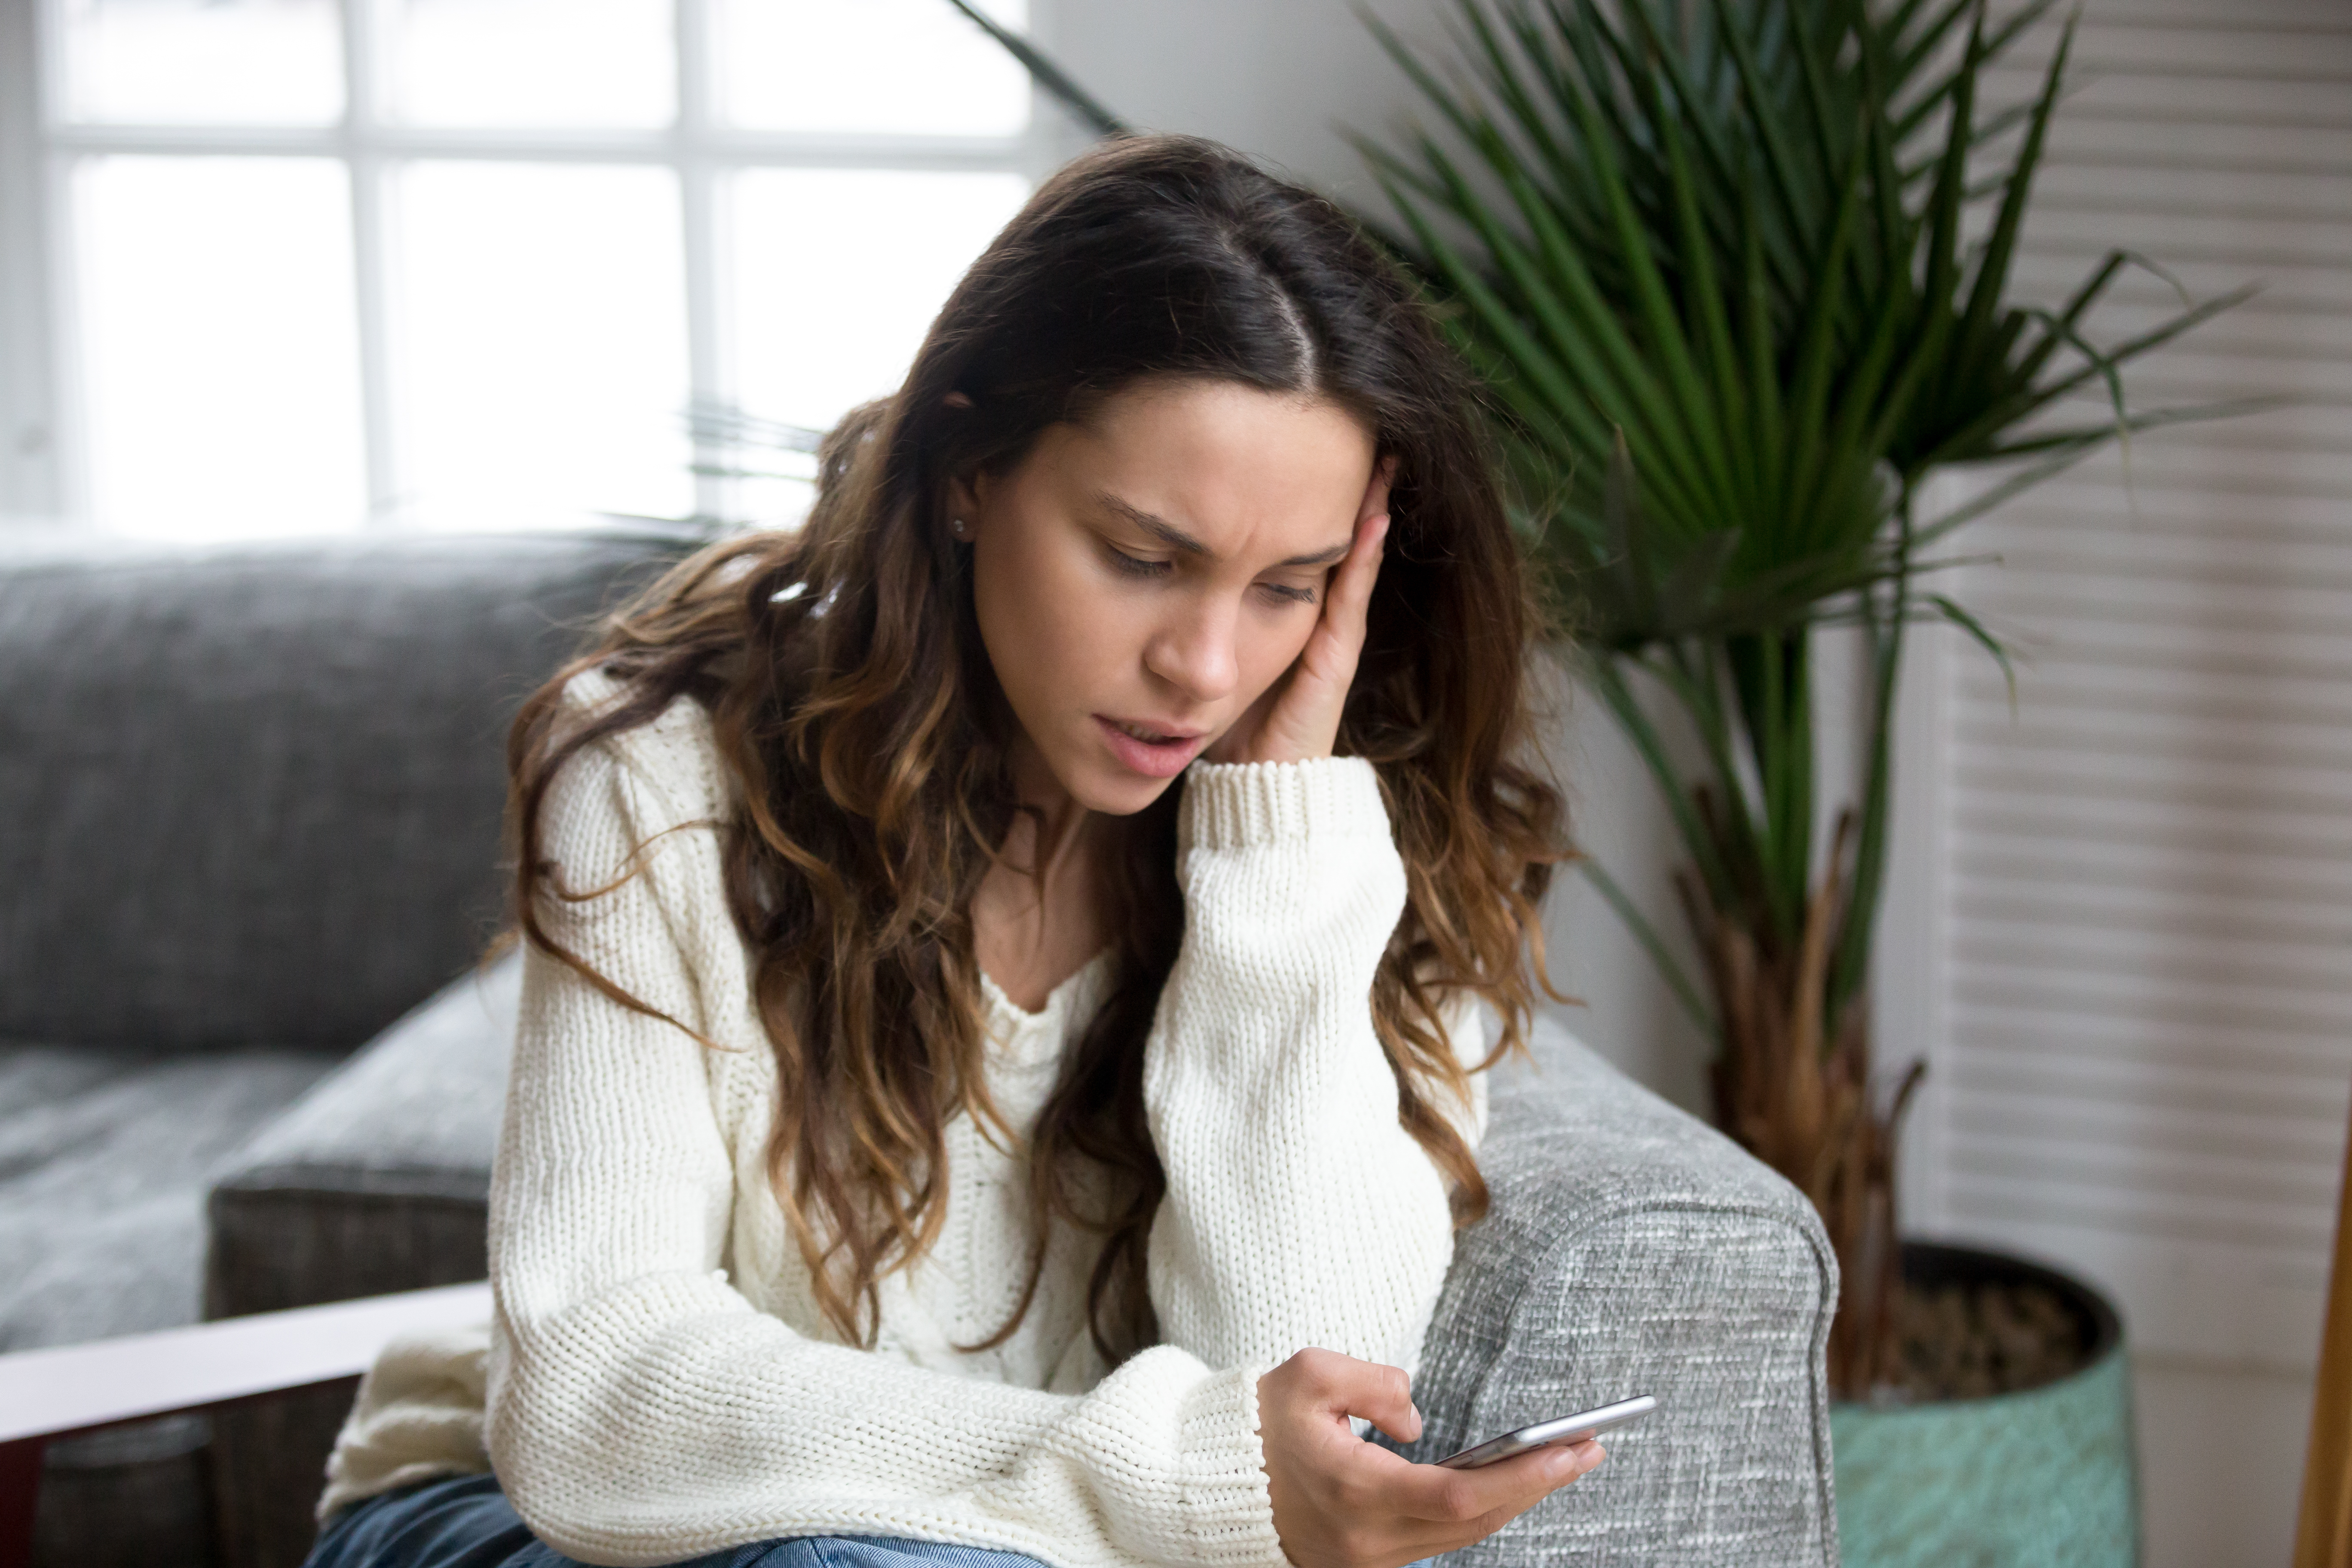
(220, 344)
(838, 274)
(256, 62)
(533, 62)
(541, 355)
(916, 67)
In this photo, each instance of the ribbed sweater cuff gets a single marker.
(1238, 805)
(1228, 1512)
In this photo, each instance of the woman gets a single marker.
(933, 1135)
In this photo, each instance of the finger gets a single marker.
(1380, 1394)
(1376, 490)
(1508, 1486)
(1401, 1424)
(1457, 1536)
(1332, 648)
(1435, 1538)
(1351, 595)
(1487, 1524)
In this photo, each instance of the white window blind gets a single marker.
(2141, 878)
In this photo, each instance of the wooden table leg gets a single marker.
(20, 1493)
(2324, 1533)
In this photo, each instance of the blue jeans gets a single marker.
(466, 1522)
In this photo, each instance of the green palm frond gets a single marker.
(1715, 262)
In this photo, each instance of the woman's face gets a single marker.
(1143, 579)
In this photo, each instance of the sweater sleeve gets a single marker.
(1298, 1211)
(641, 1411)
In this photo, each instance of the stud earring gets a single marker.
(957, 524)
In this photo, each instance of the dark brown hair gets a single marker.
(865, 737)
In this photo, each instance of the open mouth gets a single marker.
(1151, 750)
(1151, 737)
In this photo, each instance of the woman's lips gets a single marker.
(1153, 759)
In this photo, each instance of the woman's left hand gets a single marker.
(1299, 717)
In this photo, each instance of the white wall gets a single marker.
(1274, 77)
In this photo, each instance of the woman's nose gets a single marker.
(1193, 650)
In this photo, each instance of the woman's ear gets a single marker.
(963, 498)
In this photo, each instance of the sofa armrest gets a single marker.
(375, 1181)
(378, 1179)
(1632, 1249)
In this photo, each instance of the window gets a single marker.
(324, 263)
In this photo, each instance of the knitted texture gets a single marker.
(660, 1382)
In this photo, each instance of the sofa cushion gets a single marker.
(376, 1179)
(253, 793)
(105, 1157)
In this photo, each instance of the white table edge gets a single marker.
(66, 1388)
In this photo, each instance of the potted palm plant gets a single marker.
(1738, 278)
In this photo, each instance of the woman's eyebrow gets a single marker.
(1320, 557)
(1153, 523)
(1175, 537)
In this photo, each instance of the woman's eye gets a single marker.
(1289, 594)
(1136, 565)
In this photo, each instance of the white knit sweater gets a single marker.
(658, 1383)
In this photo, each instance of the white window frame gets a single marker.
(44, 447)
(28, 466)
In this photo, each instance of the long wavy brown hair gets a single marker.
(865, 737)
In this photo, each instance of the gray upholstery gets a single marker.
(249, 814)
(105, 1157)
(1629, 1249)
(373, 1182)
(252, 796)
(329, 1191)
(131, 1497)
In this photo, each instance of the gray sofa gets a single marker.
(250, 815)
(248, 828)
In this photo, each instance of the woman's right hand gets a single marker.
(1341, 1502)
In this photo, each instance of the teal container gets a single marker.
(2042, 1479)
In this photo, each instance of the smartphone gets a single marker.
(1559, 1429)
